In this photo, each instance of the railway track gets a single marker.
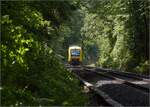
(114, 89)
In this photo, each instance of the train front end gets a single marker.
(75, 55)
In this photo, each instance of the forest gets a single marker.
(35, 36)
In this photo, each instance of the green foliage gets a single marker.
(31, 72)
(120, 30)
(143, 68)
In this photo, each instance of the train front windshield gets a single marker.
(75, 52)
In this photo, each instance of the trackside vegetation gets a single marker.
(117, 31)
(31, 72)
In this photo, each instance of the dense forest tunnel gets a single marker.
(35, 36)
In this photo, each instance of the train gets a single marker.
(75, 55)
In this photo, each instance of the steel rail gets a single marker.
(144, 89)
(130, 74)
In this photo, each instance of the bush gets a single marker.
(143, 68)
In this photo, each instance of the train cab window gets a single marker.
(75, 52)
